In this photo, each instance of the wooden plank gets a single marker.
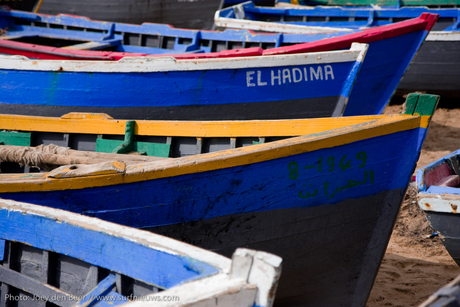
(150, 149)
(34, 287)
(199, 145)
(15, 138)
(250, 128)
(421, 104)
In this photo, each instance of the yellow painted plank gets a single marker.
(100, 124)
(222, 159)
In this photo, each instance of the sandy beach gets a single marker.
(416, 264)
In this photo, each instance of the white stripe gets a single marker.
(159, 64)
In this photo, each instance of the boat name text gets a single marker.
(289, 75)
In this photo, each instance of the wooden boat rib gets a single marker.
(296, 188)
(54, 256)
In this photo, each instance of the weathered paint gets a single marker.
(166, 262)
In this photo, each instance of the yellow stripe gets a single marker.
(222, 159)
(99, 124)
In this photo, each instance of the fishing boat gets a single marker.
(321, 194)
(257, 87)
(194, 14)
(55, 256)
(435, 69)
(447, 296)
(374, 86)
(439, 197)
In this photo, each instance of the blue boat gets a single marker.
(435, 69)
(321, 194)
(259, 87)
(54, 256)
(439, 197)
(211, 99)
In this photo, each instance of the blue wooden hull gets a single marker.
(310, 208)
(212, 92)
(45, 95)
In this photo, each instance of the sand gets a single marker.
(416, 264)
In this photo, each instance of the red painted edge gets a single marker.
(424, 22)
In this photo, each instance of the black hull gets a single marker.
(331, 253)
(447, 224)
(181, 14)
(22, 5)
(290, 109)
(435, 69)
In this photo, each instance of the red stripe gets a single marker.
(424, 22)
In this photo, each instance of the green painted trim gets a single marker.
(15, 138)
(421, 104)
(150, 149)
(427, 104)
(128, 144)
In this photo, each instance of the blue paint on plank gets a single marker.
(2, 249)
(442, 190)
(362, 16)
(326, 176)
(380, 74)
(159, 89)
(114, 253)
(111, 299)
(99, 292)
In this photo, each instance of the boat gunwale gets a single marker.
(133, 235)
(168, 63)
